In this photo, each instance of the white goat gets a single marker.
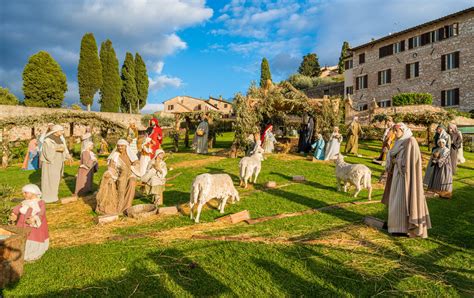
(357, 175)
(211, 186)
(250, 166)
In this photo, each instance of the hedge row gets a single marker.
(405, 99)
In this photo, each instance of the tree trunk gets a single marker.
(428, 136)
(186, 136)
(88, 107)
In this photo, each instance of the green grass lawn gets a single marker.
(329, 253)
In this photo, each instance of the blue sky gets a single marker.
(196, 47)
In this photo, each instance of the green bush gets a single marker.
(163, 121)
(300, 81)
(405, 99)
(7, 98)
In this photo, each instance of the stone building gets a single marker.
(184, 104)
(436, 57)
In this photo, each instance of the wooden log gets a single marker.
(365, 202)
(69, 200)
(374, 222)
(236, 217)
(173, 210)
(299, 178)
(271, 184)
(105, 219)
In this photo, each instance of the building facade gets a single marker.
(185, 104)
(436, 57)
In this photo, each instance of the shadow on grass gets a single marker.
(189, 275)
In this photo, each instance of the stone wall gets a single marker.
(24, 133)
(431, 78)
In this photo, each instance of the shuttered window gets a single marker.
(399, 47)
(412, 70)
(385, 77)
(450, 61)
(348, 64)
(414, 42)
(386, 51)
(361, 82)
(362, 58)
(450, 97)
(349, 90)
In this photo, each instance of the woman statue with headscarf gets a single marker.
(268, 139)
(456, 145)
(318, 147)
(117, 188)
(353, 132)
(442, 178)
(53, 154)
(440, 134)
(404, 195)
(86, 171)
(334, 144)
(31, 213)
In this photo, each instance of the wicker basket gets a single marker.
(12, 250)
(141, 211)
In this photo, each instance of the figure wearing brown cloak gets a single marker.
(404, 194)
(86, 171)
(117, 188)
(353, 132)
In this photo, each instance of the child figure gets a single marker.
(32, 213)
(318, 147)
(155, 177)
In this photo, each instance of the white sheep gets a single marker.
(250, 166)
(357, 175)
(211, 186)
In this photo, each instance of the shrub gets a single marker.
(163, 121)
(300, 81)
(7, 98)
(405, 99)
(76, 107)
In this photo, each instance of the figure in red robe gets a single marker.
(155, 133)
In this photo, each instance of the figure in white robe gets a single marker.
(145, 155)
(201, 136)
(334, 145)
(155, 177)
(53, 154)
(404, 195)
(268, 139)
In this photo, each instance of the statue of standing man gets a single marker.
(353, 132)
(201, 136)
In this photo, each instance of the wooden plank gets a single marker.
(105, 219)
(374, 222)
(173, 210)
(271, 184)
(365, 202)
(236, 217)
(69, 200)
(299, 178)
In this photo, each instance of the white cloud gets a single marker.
(64, 56)
(158, 67)
(169, 44)
(163, 81)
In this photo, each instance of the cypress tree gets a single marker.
(340, 66)
(141, 79)
(310, 66)
(111, 83)
(44, 82)
(89, 70)
(265, 73)
(129, 87)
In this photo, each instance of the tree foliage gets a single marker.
(129, 86)
(246, 121)
(111, 82)
(89, 70)
(141, 79)
(265, 73)
(7, 98)
(310, 66)
(344, 49)
(44, 82)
